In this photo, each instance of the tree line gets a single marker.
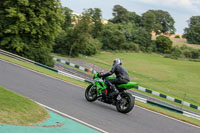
(125, 31)
(34, 29)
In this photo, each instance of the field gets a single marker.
(176, 78)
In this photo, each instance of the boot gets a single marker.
(114, 90)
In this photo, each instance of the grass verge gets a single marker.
(18, 110)
(83, 84)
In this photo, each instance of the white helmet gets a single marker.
(117, 61)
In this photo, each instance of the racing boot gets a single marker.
(114, 90)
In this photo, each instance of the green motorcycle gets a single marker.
(123, 101)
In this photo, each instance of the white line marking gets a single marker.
(168, 117)
(72, 118)
(75, 119)
(84, 88)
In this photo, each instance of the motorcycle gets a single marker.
(98, 90)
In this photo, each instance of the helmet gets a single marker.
(117, 61)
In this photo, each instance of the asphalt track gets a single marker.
(69, 99)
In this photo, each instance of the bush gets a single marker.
(176, 52)
(187, 53)
(163, 44)
(93, 47)
(177, 36)
(130, 46)
(195, 54)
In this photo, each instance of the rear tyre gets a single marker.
(90, 93)
(126, 103)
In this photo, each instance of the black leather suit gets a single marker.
(121, 73)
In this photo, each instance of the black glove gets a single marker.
(100, 75)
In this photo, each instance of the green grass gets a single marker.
(18, 110)
(176, 78)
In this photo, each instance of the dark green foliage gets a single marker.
(193, 20)
(68, 18)
(80, 35)
(135, 34)
(63, 42)
(28, 28)
(79, 38)
(93, 47)
(192, 34)
(195, 54)
(184, 52)
(163, 21)
(189, 52)
(122, 15)
(111, 37)
(176, 52)
(96, 20)
(164, 44)
(130, 46)
(128, 29)
(148, 21)
(142, 37)
(177, 36)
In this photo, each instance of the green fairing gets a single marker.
(110, 77)
(101, 84)
(128, 85)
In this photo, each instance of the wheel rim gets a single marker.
(124, 103)
(91, 93)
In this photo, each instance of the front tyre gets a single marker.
(126, 103)
(90, 93)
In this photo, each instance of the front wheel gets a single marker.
(90, 93)
(126, 103)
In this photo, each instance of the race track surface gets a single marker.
(69, 99)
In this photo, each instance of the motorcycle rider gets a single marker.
(121, 73)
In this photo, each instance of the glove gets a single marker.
(100, 75)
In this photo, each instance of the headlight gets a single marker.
(98, 80)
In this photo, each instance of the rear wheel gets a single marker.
(90, 93)
(126, 103)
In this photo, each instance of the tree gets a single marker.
(122, 15)
(28, 28)
(63, 39)
(148, 20)
(163, 44)
(96, 17)
(68, 18)
(111, 37)
(193, 20)
(163, 21)
(192, 34)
